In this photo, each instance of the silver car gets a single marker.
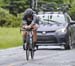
(55, 28)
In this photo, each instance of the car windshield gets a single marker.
(52, 19)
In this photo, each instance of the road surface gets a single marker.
(54, 56)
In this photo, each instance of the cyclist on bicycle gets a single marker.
(30, 20)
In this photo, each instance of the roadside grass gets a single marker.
(10, 37)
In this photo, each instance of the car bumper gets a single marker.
(52, 39)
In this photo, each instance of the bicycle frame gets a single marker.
(29, 46)
(29, 43)
(29, 38)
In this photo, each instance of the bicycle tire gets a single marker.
(27, 54)
(27, 48)
(32, 54)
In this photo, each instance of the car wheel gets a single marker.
(68, 44)
(37, 47)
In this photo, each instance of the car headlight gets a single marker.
(43, 33)
(63, 30)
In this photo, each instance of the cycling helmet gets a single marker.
(29, 12)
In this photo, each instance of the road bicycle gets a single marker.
(29, 44)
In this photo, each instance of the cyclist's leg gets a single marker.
(35, 35)
(24, 33)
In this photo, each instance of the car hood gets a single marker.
(48, 27)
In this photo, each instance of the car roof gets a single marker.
(41, 12)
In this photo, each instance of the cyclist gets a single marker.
(30, 20)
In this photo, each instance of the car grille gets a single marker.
(46, 31)
(50, 39)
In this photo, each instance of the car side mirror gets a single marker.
(72, 22)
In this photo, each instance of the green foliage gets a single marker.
(72, 13)
(72, 9)
(48, 1)
(7, 19)
(11, 15)
(17, 6)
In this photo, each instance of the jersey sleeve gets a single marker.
(35, 19)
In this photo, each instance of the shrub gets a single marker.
(7, 19)
(72, 13)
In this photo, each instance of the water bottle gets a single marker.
(30, 40)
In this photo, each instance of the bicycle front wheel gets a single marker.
(27, 48)
(27, 54)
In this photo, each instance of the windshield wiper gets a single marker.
(43, 22)
(52, 21)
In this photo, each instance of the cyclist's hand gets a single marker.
(29, 27)
(35, 27)
(25, 26)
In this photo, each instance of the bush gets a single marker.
(72, 13)
(7, 19)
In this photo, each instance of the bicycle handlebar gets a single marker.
(24, 29)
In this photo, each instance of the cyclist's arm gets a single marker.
(35, 21)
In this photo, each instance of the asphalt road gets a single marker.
(54, 56)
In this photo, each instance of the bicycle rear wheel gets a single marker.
(32, 54)
(27, 51)
(32, 47)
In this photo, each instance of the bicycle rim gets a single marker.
(27, 54)
(32, 52)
